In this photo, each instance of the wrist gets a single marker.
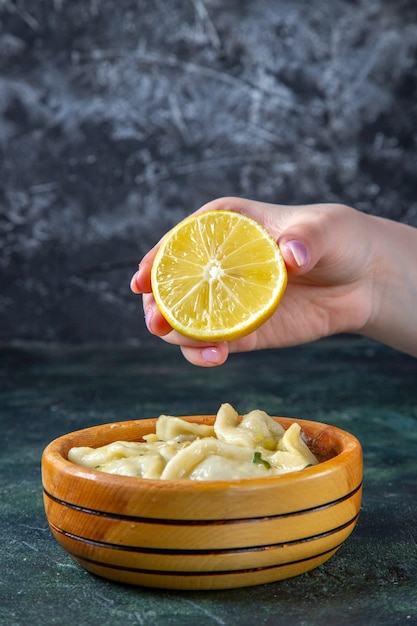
(393, 319)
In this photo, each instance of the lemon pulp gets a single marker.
(218, 276)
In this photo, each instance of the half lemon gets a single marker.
(218, 276)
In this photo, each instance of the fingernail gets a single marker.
(211, 355)
(299, 252)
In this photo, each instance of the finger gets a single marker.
(135, 282)
(197, 352)
(206, 355)
(296, 253)
(269, 215)
(141, 280)
(305, 242)
(154, 320)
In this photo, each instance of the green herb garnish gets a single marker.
(257, 458)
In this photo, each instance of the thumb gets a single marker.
(298, 255)
(306, 241)
(306, 244)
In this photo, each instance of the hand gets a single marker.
(334, 261)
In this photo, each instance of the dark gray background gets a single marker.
(118, 118)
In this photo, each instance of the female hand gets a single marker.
(338, 276)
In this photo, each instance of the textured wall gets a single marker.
(117, 118)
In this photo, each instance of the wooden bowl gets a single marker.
(186, 534)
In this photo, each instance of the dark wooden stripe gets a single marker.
(202, 522)
(216, 573)
(175, 552)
